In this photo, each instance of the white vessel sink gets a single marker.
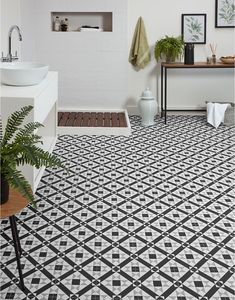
(23, 73)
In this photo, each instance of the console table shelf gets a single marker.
(196, 65)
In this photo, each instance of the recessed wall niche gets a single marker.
(102, 20)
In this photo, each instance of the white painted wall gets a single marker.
(92, 65)
(10, 15)
(186, 88)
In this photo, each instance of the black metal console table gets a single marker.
(197, 65)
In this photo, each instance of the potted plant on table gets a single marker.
(170, 48)
(19, 146)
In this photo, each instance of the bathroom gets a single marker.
(144, 203)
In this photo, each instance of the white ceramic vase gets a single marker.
(147, 108)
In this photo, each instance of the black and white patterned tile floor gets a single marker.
(144, 217)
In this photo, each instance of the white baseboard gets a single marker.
(179, 110)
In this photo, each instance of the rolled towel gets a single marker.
(215, 113)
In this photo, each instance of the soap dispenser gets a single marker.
(147, 108)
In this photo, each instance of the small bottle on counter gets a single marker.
(213, 59)
(57, 24)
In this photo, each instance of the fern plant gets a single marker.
(170, 48)
(19, 146)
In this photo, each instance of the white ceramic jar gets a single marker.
(147, 108)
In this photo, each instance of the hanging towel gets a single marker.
(139, 53)
(215, 113)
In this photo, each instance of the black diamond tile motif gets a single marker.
(144, 217)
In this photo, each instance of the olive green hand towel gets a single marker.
(139, 53)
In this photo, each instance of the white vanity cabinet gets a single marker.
(43, 97)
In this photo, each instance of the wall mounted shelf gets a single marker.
(76, 20)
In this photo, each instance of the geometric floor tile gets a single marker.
(149, 216)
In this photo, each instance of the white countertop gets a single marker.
(32, 91)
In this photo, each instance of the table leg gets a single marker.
(17, 247)
(17, 240)
(165, 94)
(162, 70)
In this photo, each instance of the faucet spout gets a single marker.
(10, 57)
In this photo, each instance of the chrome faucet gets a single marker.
(10, 57)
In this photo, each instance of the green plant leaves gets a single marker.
(169, 46)
(19, 146)
(17, 181)
(27, 130)
(14, 121)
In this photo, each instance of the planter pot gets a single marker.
(169, 59)
(4, 190)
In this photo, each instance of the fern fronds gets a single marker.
(19, 146)
(32, 139)
(45, 158)
(27, 130)
(14, 121)
(169, 47)
(18, 182)
(37, 157)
